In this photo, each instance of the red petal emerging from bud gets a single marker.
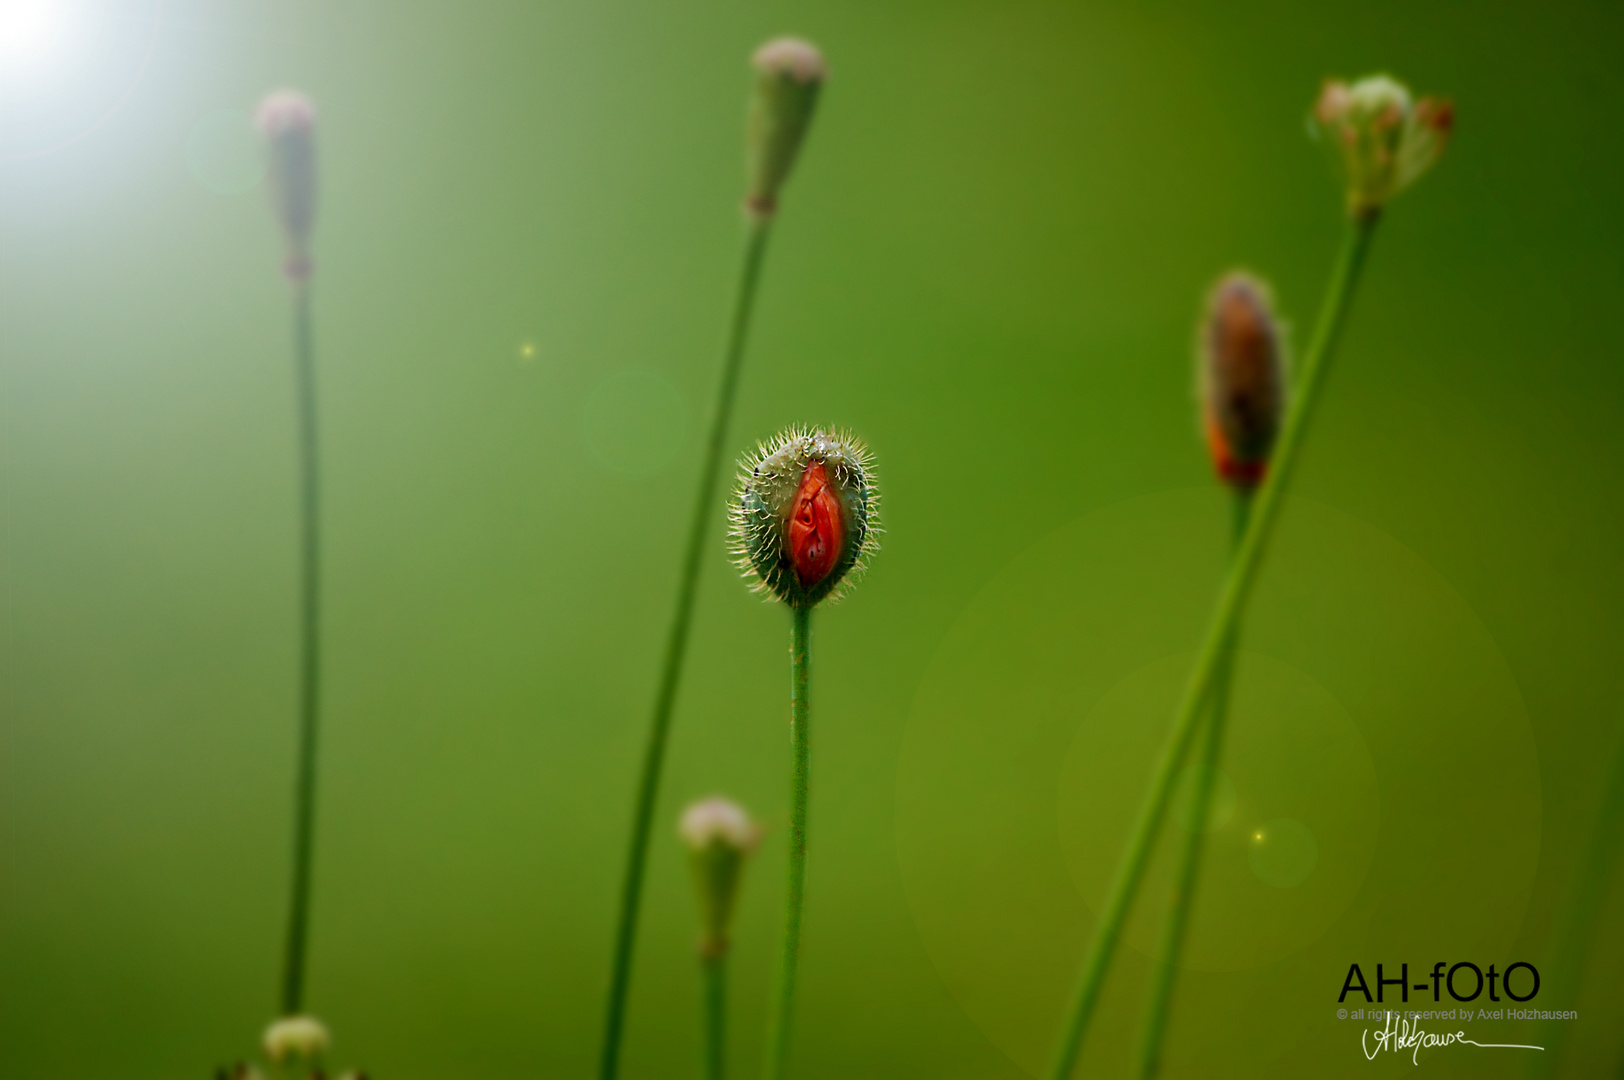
(816, 527)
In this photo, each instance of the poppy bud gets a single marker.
(288, 121)
(1242, 377)
(806, 515)
(297, 1040)
(789, 74)
(1380, 139)
(719, 835)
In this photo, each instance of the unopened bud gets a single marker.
(288, 121)
(1242, 375)
(789, 74)
(806, 517)
(296, 1040)
(719, 835)
(1381, 139)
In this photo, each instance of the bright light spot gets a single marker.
(527, 350)
(1257, 836)
(30, 31)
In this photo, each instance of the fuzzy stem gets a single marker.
(1211, 748)
(676, 647)
(304, 800)
(1583, 908)
(1242, 572)
(778, 1033)
(713, 968)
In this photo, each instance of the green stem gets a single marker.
(779, 1032)
(1237, 585)
(714, 968)
(1584, 907)
(1189, 868)
(676, 647)
(304, 802)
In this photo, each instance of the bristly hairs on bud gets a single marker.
(1381, 139)
(805, 519)
(1241, 372)
(789, 74)
(287, 119)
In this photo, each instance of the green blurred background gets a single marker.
(988, 265)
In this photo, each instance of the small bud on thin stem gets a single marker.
(806, 517)
(288, 121)
(720, 836)
(1210, 659)
(1382, 141)
(1242, 379)
(789, 74)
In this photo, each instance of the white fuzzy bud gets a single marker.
(296, 1039)
(718, 821)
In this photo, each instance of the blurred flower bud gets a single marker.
(719, 835)
(789, 74)
(805, 520)
(298, 1041)
(288, 121)
(1380, 139)
(1242, 378)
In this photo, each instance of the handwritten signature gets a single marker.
(1400, 1035)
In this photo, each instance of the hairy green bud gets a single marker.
(789, 74)
(805, 521)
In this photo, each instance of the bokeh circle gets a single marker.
(1290, 749)
(1377, 742)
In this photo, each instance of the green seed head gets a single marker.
(805, 520)
(298, 1042)
(1242, 377)
(1380, 139)
(719, 835)
(789, 74)
(288, 121)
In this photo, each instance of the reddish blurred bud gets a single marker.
(288, 121)
(1242, 379)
